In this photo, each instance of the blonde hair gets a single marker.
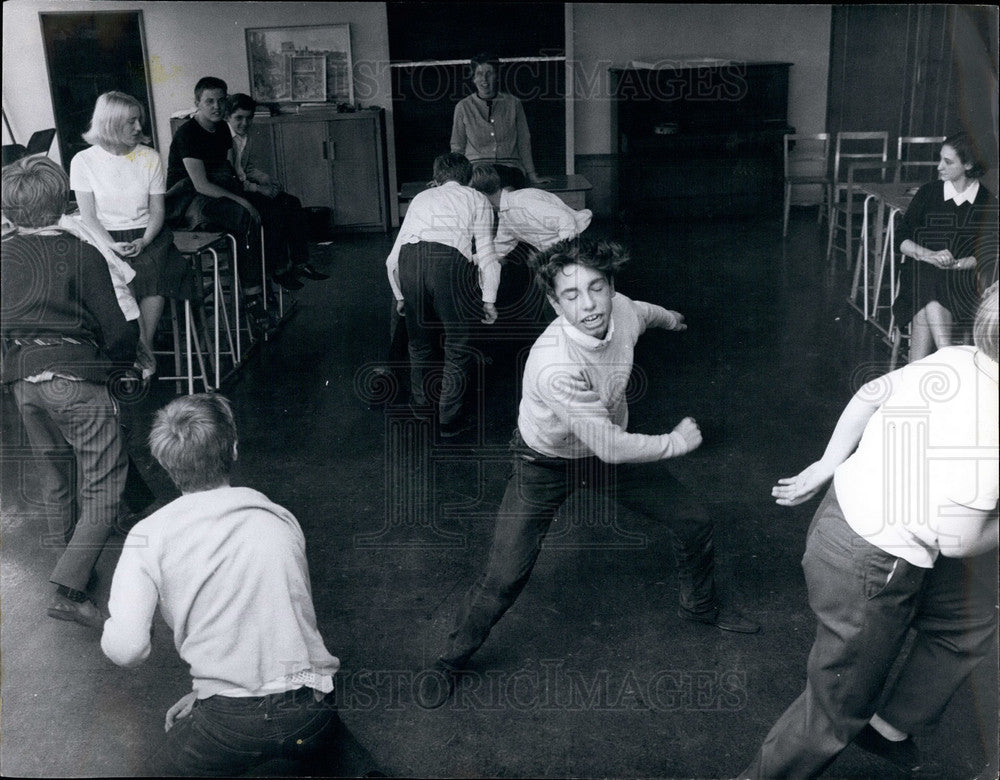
(984, 329)
(35, 192)
(194, 437)
(109, 122)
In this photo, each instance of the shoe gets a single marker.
(455, 428)
(287, 280)
(723, 618)
(437, 683)
(259, 318)
(903, 755)
(308, 272)
(86, 613)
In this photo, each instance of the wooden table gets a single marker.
(877, 251)
(571, 189)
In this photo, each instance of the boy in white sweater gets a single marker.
(572, 431)
(228, 570)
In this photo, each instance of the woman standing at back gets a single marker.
(489, 127)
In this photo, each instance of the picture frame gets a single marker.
(310, 63)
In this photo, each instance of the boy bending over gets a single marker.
(447, 230)
(228, 570)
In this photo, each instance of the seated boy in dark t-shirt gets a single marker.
(203, 188)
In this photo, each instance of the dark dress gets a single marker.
(968, 229)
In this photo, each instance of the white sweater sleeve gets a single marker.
(580, 408)
(126, 638)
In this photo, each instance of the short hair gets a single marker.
(484, 58)
(967, 153)
(108, 122)
(485, 179)
(209, 82)
(240, 101)
(452, 166)
(35, 192)
(984, 329)
(193, 438)
(604, 256)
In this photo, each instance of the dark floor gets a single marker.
(591, 673)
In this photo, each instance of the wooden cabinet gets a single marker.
(330, 159)
(702, 140)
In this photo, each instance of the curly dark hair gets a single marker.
(604, 256)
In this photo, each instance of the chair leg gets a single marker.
(831, 224)
(178, 387)
(788, 197)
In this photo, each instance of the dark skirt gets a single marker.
(920, 283)
(160, 269)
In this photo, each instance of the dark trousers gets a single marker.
(73, 427)
(865, 601)
(230, 217)
(226, 736)
(537, 488)
(440, 290)
(286, 232)
(956, 623)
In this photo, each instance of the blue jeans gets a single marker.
(537, 488)
(440, 291)
(73, 428)
(865, 601)
(229, 736)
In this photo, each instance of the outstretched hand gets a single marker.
(792, 491)
(677, 322)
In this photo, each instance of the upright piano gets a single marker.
(700, 138)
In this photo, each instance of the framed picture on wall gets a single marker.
(301, 64)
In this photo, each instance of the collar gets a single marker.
(589, 342)
(504, 200)
(967, 196)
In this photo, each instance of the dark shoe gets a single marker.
(258, 317)
(903, 755)
(308, 272)
(287, 279)
(455, 428)
(723, 618)
(86, 613)
(437, 683)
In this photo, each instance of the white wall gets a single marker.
(184, 41)
(610, 34)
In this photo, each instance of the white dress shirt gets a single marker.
(537, 217)
(451, 214)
